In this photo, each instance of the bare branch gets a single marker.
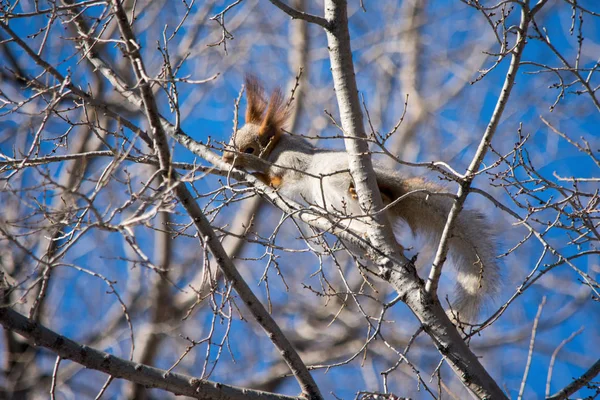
(117, 367)
(261, 315)
(577, 384)
(403, 279)
(292, 12)
(463, 190)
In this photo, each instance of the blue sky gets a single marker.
(451, 34)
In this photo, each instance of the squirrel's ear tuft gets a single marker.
(255, 95)
(276, 116)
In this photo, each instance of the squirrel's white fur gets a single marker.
(321, 177)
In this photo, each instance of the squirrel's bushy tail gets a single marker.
(472, 249)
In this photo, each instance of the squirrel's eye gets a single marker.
(249, 150)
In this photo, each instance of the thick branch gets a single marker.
(361, 168)
(288, 353)
(403, 278)
(119, 368)
(150, 107)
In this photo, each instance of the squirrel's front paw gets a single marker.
(352, 191)
(272, 180)
(275, 181)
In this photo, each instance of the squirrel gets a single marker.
(321, 177)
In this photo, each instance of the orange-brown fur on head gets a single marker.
(264, 123)
(255, 96)
(275, 117)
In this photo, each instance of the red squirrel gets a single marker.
(321, 177)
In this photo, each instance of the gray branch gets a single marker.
(296, 14)
(73, 88)
(577, 383)
(396, 269)
(486, 140)
(380, 232)
(207, 234)
(117, 367)
(401, 276)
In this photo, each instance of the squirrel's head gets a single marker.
(263, 128)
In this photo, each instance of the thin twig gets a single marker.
(531, 344)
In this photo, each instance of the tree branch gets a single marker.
(117, 367)
(380, 232)
(396, 269)
(464, 189)
(73, 88)
(207, 234)
(401, 276)
(296, 14)
(577, 383)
